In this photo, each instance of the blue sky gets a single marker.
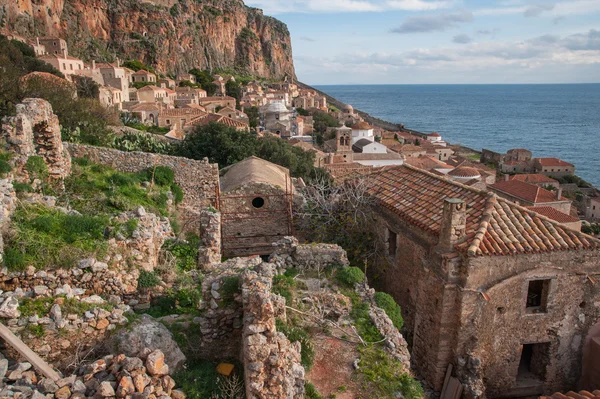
(442, 41)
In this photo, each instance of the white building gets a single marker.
(362, 130)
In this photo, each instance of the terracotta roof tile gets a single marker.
(182, 112)
(552, 162)
(495, 226)
(528, 192)
(553, 214)
(533, 178)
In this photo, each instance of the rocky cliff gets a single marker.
(172, 35)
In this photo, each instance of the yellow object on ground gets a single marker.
(225, 369)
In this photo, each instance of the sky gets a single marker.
(441, 41)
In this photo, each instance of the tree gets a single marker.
(299, 162)
(86, 87)
(252, 113)
(219, 143)
(233, 89)
(322, 120)
(137, 65)
(205, 79)
(302, 112)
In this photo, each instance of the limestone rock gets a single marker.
(63, 393)
(10, 308)
(94, 299)
(145, 335)
(155, 363)
(105, 389)
(125, 387)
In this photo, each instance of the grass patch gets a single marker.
(199, 380)
(310, 392)
(283, 284)
(229, 287)
(45, 237)
(392, 309)
(37, 330)
(385, 376)
(362, 320)
(98, 189)
(41, 306)
(182, 301)
(296, 334)
(185, 251)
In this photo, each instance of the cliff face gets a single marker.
(172, 35)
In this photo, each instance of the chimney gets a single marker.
(454, 224)
(506, 177)
(118, 62)
(37, 41)
(559, 193)
(64, 51)
(93, 65)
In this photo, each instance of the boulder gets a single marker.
(155, 363)
(10, 308)
(146, 335)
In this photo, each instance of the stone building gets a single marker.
(527, 194)
(553, 167)
(256, 204)
(505, 295)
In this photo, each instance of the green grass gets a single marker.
(386, 376)
(182, 301)
(297, 334)
(283, 284)
(41, 306)
(45, 237)
(310, 392)
(98, 189)
(362, 320)
(199, 380)
(229, 287)
(37, 330)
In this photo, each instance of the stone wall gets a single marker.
(272, 366)
(199, 180)
(35, 130)
(209, 252)
(289, 253)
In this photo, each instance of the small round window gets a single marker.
(258, 202)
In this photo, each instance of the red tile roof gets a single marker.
(525, 191)
(464, 171)
(427, 163)
(574, 395)
(553, 214)
(533, 178)
(182, 112)
(552, 162)
(361, 126)
(495, 226)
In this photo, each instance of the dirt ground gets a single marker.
(332, 369)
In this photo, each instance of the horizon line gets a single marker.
(446, 84)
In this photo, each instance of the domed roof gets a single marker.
(361, 126)
(434, 134)
(277, 107)
(348, 107)
(465, 172)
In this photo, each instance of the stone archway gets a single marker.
(590, 372)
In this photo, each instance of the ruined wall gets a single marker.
(492, 332)
(199, 180)
(209, 252)
(249, 229)
(288, 253)
(272, 366)
(35, 130)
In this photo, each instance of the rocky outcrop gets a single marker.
(112, 376)
(143, 338)
(172, 35)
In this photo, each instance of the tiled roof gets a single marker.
(574, 395)
(495, 226)
(553, 214)
(143, 72)
(533, 178)
(361, 126)
(464, 171)
(406, 148)
(526, 191)
(427, 163)
(205, 119)
(182, 112)
(146, 107)
(552, 162)
(216, 98)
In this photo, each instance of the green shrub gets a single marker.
(350, 276)
(38, 306)
(229, 287)
(182, 301)
(386, 376)
(296, 334)
(362, 320)
(392, 309)
(282, 285)
(36, 167)
(310, 392)
(22, 188)
(177, 193)
(148, 279)
(4, 165)
(186, 252)
(161, 175)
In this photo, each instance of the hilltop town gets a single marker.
(218, 235)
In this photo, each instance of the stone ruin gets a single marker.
(35, 130)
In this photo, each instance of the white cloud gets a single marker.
(432, 23)
(533, 9)
(418, 5)
(324, 6)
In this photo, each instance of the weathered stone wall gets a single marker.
(502, 324)
(35, 130)
(289, 253)
(199, 180)
(209, 253)
(8, 201)
(248, 230)
(272, 366)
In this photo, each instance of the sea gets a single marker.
(561, 120)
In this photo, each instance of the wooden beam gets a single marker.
(28, 354)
